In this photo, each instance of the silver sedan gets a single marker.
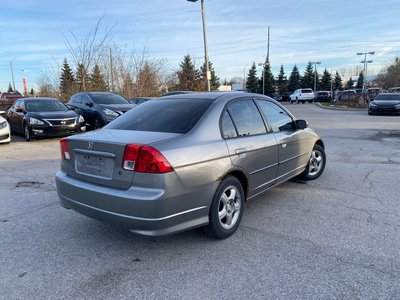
(186, 161)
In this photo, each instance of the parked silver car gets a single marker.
(186, 161)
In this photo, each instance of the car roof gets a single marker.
(211, 96)
(40, 99)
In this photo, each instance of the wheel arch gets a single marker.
(241, 176)
(320, 143)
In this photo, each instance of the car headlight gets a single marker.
(372, 104)
(34, 121)
(81, 119)
(110, 112)
(397, 105)
(3, 124)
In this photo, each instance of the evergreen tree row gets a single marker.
(80, 80)
(282, 84)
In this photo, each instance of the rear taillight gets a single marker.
(130, 159)
(64, 150)
(145, 159)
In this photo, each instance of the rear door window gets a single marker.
(246, 118)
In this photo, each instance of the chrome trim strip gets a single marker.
(294, 157)
(262, 169)
(138, 218)
(95, 153)
(277, 179)
(65, 119)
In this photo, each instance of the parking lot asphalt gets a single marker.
(337, 237)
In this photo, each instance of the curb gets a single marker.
(340, 107)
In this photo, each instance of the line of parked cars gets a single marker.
(49, 117)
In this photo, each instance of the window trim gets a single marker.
(279, 105)
(225, 109)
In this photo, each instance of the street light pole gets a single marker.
(315, 63)
(365, 61)
(244, 76)
(263, 77)
(12, 74)
(208, 75)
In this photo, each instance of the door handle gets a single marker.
(241, 152)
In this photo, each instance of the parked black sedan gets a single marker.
(385, 103)
(99, 108)
(43, 117)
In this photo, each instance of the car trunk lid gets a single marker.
(97, 157)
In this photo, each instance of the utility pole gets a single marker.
(12, 75)
(112, 71)
(268, 46)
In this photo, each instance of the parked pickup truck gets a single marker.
(7, 99)
(302, 95)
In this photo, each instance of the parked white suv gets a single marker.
(302, 95)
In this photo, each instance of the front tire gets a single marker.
(97, 124)
(27, 133)
(316, 164)
(226, 209)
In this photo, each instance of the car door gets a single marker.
(292, 143)
(88, 110)
(18, 115)
(250, 147)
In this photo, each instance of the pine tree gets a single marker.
(188, 75)
(281, 82)
(350, 84)
(308, 79)
(32, 93)
(10, 88)
(326, 79)
(97, 81)
(294, 82)
(147, 82)
(82, 78)
(337, 84)
(268, 78)
(252, 82)
(214, 81)
(360, 80)
(67, 80)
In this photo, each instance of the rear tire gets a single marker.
(226, 209)
(316, 164)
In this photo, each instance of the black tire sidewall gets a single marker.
(29, 137)
(305, 175)
(214, 227)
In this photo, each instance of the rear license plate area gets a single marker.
(94, 165)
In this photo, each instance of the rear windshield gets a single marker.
(172, 115)
(383, 97)
(42, 106)
(306, 91)
(108, 99)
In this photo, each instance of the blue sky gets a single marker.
(33, 33)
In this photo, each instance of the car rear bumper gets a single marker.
(142, 210)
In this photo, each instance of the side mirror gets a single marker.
(301, 124)
(90, 104)
(19, 109)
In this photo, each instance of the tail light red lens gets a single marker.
(131, 155)
(64, 150)
(145, 159)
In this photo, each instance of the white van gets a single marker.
(302, 95)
